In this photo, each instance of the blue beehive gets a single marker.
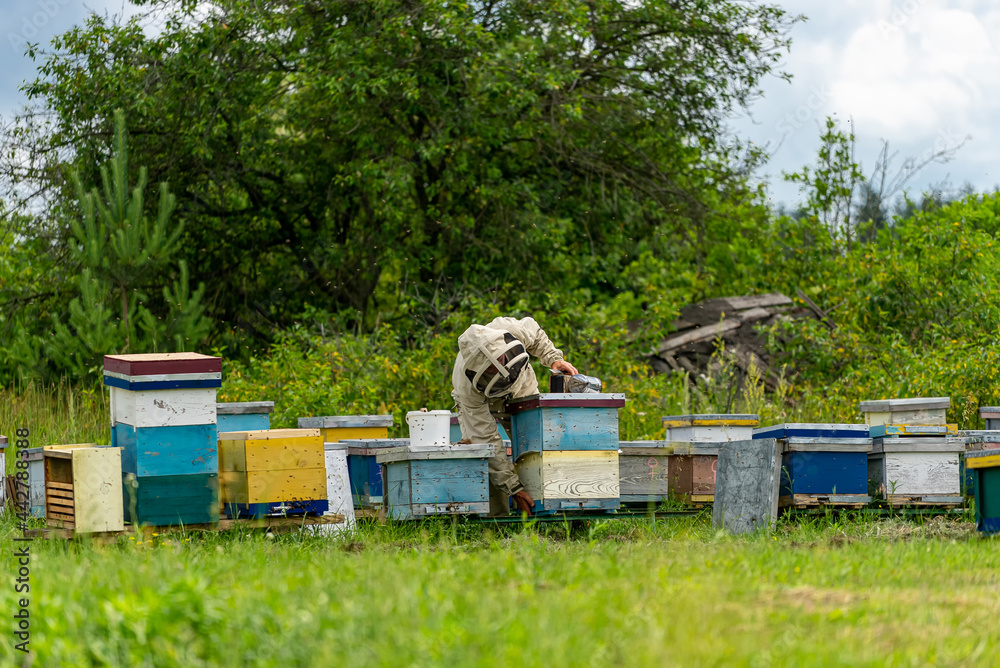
(365, 472)
(436, 480)
(565, 447)
(245, 415)
(822, 464)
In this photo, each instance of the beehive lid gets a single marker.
(66, 451)
(644, 444)
(983, 435)
(336, 445)
(884, 430)
(650, 448)
(711, 420)
(812, 429)
(244, 407)
(407, 453)
(991, 412)
(268, 434)
(162, 363)
(697, 448)
(982, 459)
(568, 400)
(916, 444)
(345, 421)
(373, 446)
(914, 404)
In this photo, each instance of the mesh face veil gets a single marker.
(498, 369)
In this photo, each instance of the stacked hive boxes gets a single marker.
(244, 416)
(985, 467)
(364, 471)
(436, 480)
(565, 448)
(822, 464)
(163, 416)
(83, 488)
(644, 472)
(695, 440)
(277, 471)
(913, 461)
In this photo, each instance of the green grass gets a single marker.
(627, 592)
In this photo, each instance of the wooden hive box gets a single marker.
(338, 485)
(171, 500)
(36, 480)
(446, 480)
(167, 451)
(244, 416)
(282, 468)
(693, 468)
(991, 416)
(565, 448)
(975, 440)
(916, 411)
(364, 470)
(341, 427)
(83, 488)
(822, 464)
(162, 371)
(3, 474)
(644, 472)
(985, 466)
(916, 470)
(709, 428)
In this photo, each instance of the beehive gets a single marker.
(565, 448)
(164, 418)
(443, 480)
(342, 427)
(915, 411)
(991, 416)
(693, 470)
(36, 480)
(975, 440)
(283, 469)
(822, 464)
(644, 471)
(365, 472)
(985, 465)
(244, 416)
(911, 470)
(709, 428)
(83, 488)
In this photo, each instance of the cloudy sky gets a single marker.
(921, 74)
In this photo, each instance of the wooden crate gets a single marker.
(565, 449)
(644, 472)
(709, 428)
(171, 500)
(985, 465)
(273, 466)
(365, 472)
(342, 427)
(908, 469)
(693, 469)
(244, 416)
(83, 488)
(915, 411)
(177, 450)
(447, 480)
(991, 416)
(162, 371)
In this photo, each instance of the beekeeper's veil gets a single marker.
(493, 359)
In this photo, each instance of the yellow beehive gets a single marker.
(83, 487)
(335, 428)
(271, 466)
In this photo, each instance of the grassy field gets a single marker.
(855, 590)
(624, 593)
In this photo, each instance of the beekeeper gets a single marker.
(492, 367)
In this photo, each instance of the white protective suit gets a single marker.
(474, 408)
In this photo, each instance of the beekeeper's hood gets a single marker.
(493, 359)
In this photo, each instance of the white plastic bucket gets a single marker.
(430, 428)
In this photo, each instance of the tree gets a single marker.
(403, 157)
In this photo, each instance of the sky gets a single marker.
(920, 74)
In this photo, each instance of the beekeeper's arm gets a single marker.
(479, 426)
(536, 342)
